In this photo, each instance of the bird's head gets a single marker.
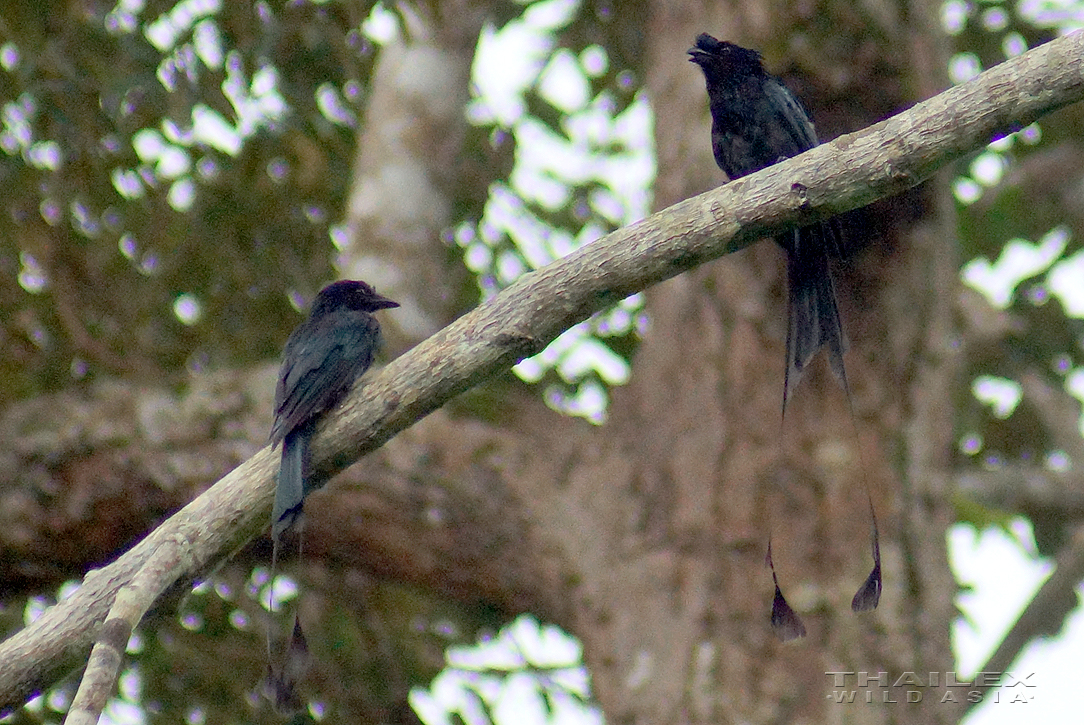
(352, 295)
(724, 62)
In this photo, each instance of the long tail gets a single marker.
(786, 623)
(868, 595)
(284, 673)
(814, 316)
(290, 492)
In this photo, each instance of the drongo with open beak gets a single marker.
(756, 122)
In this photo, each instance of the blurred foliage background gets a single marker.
(141, 245)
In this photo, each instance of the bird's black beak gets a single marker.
(383, 303)
(705, 44)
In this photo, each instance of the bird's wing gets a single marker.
(758, 124)
(796, 130)
(328, 356)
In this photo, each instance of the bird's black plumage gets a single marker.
(322, 359)
(756, 122)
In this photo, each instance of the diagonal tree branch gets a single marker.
(847, 173)
(1045, 615)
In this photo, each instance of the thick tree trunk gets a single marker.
(697, 470)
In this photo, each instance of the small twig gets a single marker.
(1046, 613)
(133, 600)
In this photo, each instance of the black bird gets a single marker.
(756, 122)
(322, 359)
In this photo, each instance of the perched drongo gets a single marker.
(322, 359)
(756, 122)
